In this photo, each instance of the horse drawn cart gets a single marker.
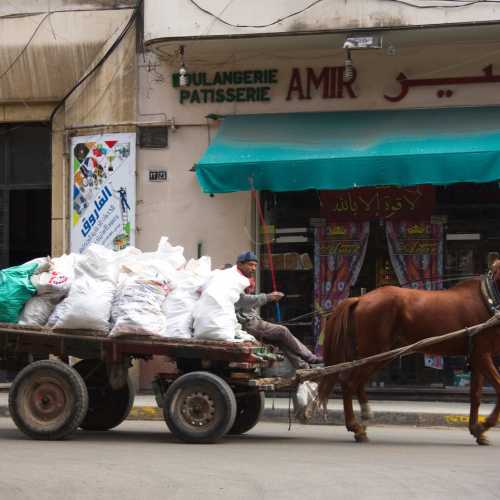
(210, 394)
(217, 389)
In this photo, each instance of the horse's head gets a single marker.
(495, 272)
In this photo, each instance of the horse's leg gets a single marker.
(476, 387)
(368, 372)
(490, 371)
(366, 411)
(350, 385)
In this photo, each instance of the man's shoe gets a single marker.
(317, 360)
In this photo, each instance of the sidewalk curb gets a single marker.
(334, 417)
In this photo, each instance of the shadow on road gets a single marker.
(300, 436)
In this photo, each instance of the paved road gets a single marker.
(142, 460)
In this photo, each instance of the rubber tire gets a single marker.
(58, 377)
(250, 407)
(214, 388)
(108, 408)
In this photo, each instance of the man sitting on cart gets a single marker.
(247, 312)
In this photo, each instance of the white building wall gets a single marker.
(178, 19)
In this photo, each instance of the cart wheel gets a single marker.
(107, 407)
(48, 400)
(199, 407)
(250, 407)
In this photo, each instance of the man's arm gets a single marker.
(249, 301)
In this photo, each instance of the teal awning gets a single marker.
(341, 150)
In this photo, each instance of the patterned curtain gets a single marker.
(416, 251)
(339, 252)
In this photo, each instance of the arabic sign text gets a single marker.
(378, 203)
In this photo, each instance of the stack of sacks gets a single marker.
(214, 314)
(179, 305)
(131, 293)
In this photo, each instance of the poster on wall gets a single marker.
(103, 191)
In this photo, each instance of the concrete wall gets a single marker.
(177, 19)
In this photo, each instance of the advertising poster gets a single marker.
(103, 191)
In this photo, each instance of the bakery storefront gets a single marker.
(343, 181)
(355, 200)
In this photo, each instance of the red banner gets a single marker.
(388, 203)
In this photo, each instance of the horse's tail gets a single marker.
(337, 344)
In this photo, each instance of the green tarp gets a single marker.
(342, 150)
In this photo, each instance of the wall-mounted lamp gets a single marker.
(348, 69)
(182, 69)
(358, 43)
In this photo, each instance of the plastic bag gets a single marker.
(42, 262)
(214, 315)
(136, 308)
(15, 290)
(305, 401)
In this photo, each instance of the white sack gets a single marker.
(37, 310)
(214, 315)
(52, 283)
(179, 304)
(173, 255)
(87, 307)
(136, 307)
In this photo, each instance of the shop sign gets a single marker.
(103, 191)
(328, 82)
(226, 86)
(388, 203)
(408, 83)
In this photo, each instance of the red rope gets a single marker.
(266, 239)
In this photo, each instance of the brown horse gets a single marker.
(391, 317)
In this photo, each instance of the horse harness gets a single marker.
(491, 298)
(490, 293)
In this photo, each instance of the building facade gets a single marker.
(258, 96)
(285, 98)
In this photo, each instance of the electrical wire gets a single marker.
(61, 11)
(279, 20)
(23, 50)
(459, 4)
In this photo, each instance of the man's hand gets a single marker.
(275, 296)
